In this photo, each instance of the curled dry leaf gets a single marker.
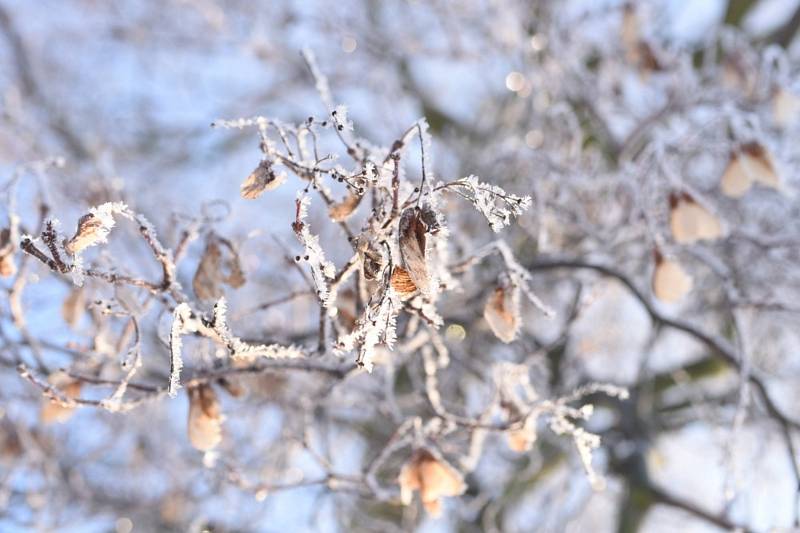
(751, 164)
(412, 247)
(341, 211)
(263, 178)
(7, 266)
(402, 283)
(74, 306)
(670, 280)
(690, 221)
(53, 410)
(205, 418)
(433, 477)
(211, 272)
(502, 312)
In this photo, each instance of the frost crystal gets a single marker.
(321, 269)
(494, 203)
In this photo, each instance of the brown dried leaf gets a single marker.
(74, 306)
(690, 221)
(434, 478)
(341, 211)
(502, 313)
(412, 247)
(205, 418)
(262, 179)
(207, 278)
(402, 283)
(52, 410)
(371, 259)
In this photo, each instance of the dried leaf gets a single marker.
(670, 280)
(341, 211)
(690, 221)
(371, 259)
(52, 410)
(412, 248)
(434, 478)
(502, 312)
(402, 283)
(205, 418)
(262, 179)
(73, 307)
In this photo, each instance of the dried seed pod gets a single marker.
(521, 440)
(205, 418)
(371, 259)
(412, 247)
(402, 283)
(7, 266)
(92, 230)
(502, 312)
(433, 477)
(670, 280)
(690, 221)
(751, 164)
(74, 306)
(262, 179)
(232, 386)
(53, 410)
(785, 108)
(341, 211)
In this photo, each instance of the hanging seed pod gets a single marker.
(207, 278)
(785, 108)
(262, 179)
(751, 164)
(205, 418)
(341, 211)
(412, 247)
(92, 230)
(402, 283)
(74, 306)
(690, 221)
(53, 410)
(433, 477)
(502, 312)
(670, 280)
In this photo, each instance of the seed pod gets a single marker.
(502, 312)
(402, 283)
(205, 419)
(341, 211)
(371, 259)
(207, 278)
(73, 307)
(690, 221)
(412, 247)
(670, 280)
(91, 230)
(751, 164)
(433, 477)
(262, 179)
